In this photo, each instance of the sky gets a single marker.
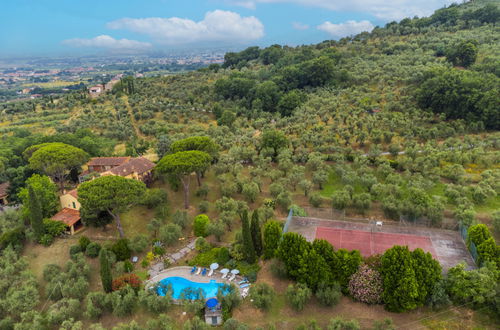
(64, 27)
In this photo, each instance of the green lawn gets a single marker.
(492, 204)
(135, 220)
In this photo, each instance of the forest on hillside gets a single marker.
(399, 124)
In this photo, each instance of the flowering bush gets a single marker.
(366, 285)
(128, 279)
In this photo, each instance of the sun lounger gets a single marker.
(204, 272)
(210, 273)
(242, 282)
(224, 275)
(232, 277)
(193, 269)
(244, 285)
(198, 272)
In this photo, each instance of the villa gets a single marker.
(140, 169)
(70, 212)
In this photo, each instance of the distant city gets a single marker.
(23, 78)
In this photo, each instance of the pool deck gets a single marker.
(185, 272)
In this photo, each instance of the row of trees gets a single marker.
(403, 280)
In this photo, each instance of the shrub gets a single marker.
(123, 301)
(200, 225)
(346, 263)
(262, 295)
(202, 191)
(476, 287)
(298, 295)
(46, 240)
(54, 228)
(93, 250)
(439, 298)
(201, 245)
(62, 310)
(203, 206)
(328, 295)
(74, 250)
(154, 197)
(272, 234)
(51, 271)
(139, 243)
(298, 211)
(315, 199)
(180, 218)
(478, 234)
(121, 249)
(385, 324)
(496, 221)
(97, 304)
(128, 279)
(169, 234)
(128, 266)
(14, 237)
(158, 250)
(153, 302)
(340, 324)
(83, 242)
(366, 285)
(222, 255)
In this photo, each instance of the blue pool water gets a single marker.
(180, 283)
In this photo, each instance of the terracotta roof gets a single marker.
(73, 193)
(4, 187)
(107, 161)
(68, 216)
(135, 165)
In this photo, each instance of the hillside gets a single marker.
(399, 125)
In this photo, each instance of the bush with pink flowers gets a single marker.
(366, 285)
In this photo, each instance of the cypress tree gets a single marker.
(106, 278)
(248, 248)
(35, 213)
(256, 233)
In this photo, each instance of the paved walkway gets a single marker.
(158, 267)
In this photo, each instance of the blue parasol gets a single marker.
(212, 303)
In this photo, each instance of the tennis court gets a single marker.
(446, 246)
(369, 243)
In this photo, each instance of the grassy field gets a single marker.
(52, 84)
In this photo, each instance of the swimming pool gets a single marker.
(180, 283)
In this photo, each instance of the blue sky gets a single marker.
(52, 27)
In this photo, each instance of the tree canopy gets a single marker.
(55, 160)
(182, 164)
(113, 194)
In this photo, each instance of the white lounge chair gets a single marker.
(210, 272)
(224, 275)
(198, 272)
(232, 277)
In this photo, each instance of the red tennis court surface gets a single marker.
(369, 243)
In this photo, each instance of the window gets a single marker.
(74, 205)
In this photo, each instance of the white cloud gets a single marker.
(346, 29)
(218, 25)
(383, 9)
(300, 26)
(107, 42)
